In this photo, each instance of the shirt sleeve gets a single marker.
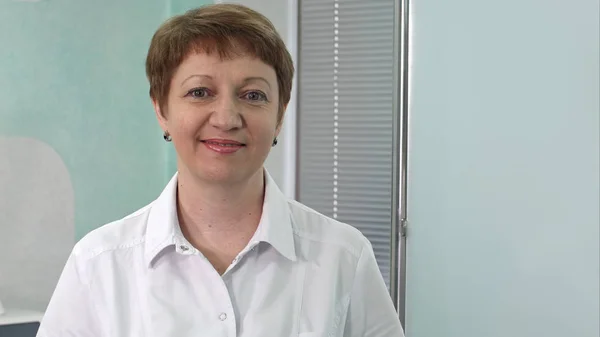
(371, 312)
(70, 311)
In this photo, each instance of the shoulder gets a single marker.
(121, 234)
(310, 225)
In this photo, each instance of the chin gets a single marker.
(218, 171)
(224, 175)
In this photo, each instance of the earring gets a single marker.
(274, 141)
(167, 136)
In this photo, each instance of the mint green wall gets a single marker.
(72, 76)
(504, 169)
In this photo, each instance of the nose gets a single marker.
(226, 115)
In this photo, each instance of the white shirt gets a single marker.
(302, 274)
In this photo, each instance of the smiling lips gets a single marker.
(224, 146)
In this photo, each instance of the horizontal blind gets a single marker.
(345, 115)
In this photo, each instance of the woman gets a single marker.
(221, 252)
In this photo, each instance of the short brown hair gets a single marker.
(228, 29)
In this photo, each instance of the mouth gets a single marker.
(223, 146)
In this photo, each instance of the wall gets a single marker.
(79, 142)
(504, 169)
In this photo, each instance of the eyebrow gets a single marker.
(196, 75)
(246, 80)
(260, 79)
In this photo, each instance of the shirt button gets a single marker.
(223, 316)
(184, 248)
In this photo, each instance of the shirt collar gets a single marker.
(275, 226)
(162, 222)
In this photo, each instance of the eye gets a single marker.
(198, 92)
(255, 96)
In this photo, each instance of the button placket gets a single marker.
(226, 314)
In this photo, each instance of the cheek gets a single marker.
(263, 130)
(183, 121)
(186, 125)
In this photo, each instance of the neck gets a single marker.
(209, 211)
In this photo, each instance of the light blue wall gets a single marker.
(72, 76)
(504, 169)
(79, 141)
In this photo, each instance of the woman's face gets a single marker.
(222, 116)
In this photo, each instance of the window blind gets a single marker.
(345, 115)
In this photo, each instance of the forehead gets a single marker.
(225, 68)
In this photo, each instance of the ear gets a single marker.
(160, 115)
